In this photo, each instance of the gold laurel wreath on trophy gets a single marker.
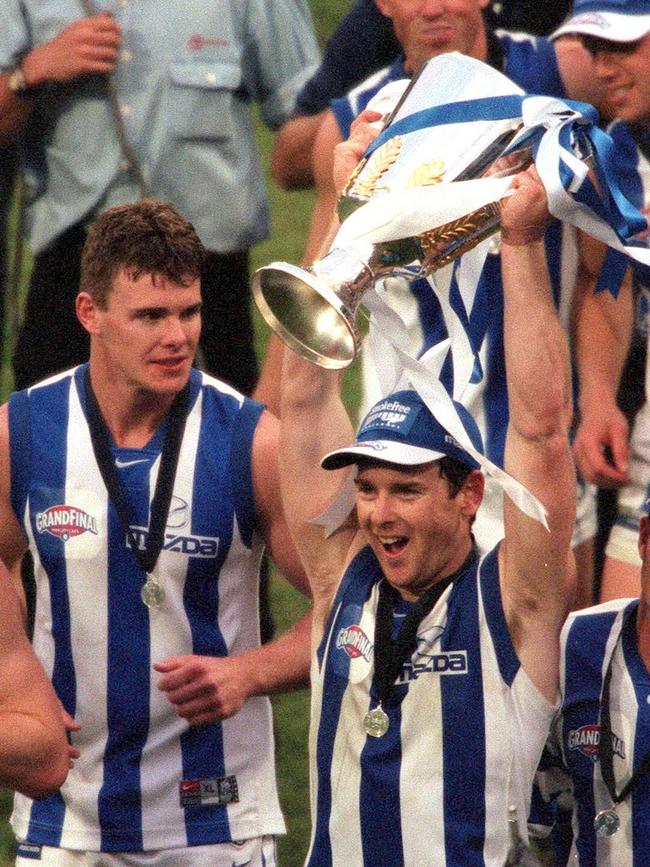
(375, 167)
(473, 227)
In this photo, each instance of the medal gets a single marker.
(376, 722)
(152, 593)
(607, 823)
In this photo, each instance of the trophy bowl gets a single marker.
(313, 310)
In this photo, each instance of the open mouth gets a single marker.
(394, 544)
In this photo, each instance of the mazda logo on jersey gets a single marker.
(65, 522)
(586, 740)
(192, 546)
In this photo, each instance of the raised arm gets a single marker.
(535, 562)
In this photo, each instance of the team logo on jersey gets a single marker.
(586, 740)
(65, 522)
(354, 641)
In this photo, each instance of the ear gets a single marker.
(472, 493)
(86, 310)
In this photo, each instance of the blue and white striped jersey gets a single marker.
(590, 639)
(144, 779)
(467, 728)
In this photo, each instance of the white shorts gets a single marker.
(256, 852)
(623, 539)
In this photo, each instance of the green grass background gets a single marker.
(290, 221)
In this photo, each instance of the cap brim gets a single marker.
(611, 26)
(387, 451)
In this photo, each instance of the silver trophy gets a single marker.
(414, 173)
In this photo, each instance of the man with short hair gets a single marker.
(146, 491)
(435, 674)
(113, 101)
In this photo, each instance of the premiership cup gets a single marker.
(314, 310)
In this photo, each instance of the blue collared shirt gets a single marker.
(186, 79)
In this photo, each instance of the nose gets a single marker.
(175, 333)
(382, 511)
(604, 62)
(432, 8)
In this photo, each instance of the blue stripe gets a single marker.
(245, 425)
(49, 426)
(463, 724)
(353, 592)
(640, 796)
(463, 111)
(203, 749)
(379, 802)
(495, 395)
(128, 682)
(507, 658)
(20, 451)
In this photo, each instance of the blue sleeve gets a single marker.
(363, 43)
(241, 466)
(531, 63)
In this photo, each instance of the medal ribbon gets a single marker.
(605, 752)
(164, 483)
(390, 655)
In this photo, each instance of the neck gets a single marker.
(131, 415)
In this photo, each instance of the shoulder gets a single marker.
(531, 62)
(595, 623)
(347, 107)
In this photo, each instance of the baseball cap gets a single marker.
(400, 429)
(612, 20)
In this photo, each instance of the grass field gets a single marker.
(290, 219)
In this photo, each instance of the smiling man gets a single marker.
(146, 491)
(435, 674)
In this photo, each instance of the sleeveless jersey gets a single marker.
(144, 779)
(467, 728)
(590, 640)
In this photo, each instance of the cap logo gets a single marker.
(391, 415)
(591, 18)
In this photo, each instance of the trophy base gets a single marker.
(306, 314)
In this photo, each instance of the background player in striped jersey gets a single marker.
(604, 724)
(146, 491)
(617, 33)
(419, 748)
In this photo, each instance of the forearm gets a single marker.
(33, 752)
(283, 664)
(537, 360)
(603, 329)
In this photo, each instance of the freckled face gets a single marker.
(148, 333)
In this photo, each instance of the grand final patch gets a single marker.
(354, 641)
(65, 522)
(586, 740)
